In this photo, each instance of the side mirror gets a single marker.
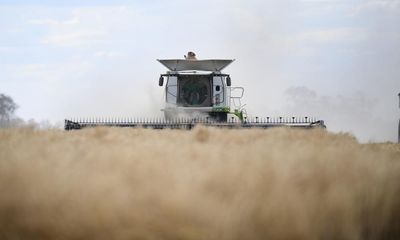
(228, 81)
(161, 81)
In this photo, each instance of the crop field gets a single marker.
(206, 183)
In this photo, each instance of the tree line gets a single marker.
(7, 112)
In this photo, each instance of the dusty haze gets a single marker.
(200, 184)
(71, 58)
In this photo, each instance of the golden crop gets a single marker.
(207, 183)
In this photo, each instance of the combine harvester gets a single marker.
(197, 92)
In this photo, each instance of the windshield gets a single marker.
(194, 90)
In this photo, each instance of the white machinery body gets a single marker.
(196, 88)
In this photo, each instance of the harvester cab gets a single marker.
(198, 89)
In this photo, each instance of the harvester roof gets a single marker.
(214, 65)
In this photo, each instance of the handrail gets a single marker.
(241, 88)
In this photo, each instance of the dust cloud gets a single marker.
(356, 113)
(107, 183)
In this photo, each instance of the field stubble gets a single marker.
(201, 184)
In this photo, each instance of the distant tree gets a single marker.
(7, 107)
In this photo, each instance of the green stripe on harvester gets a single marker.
(221, 109)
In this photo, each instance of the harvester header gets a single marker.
(198, 92)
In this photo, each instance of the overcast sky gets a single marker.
(336, 60)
